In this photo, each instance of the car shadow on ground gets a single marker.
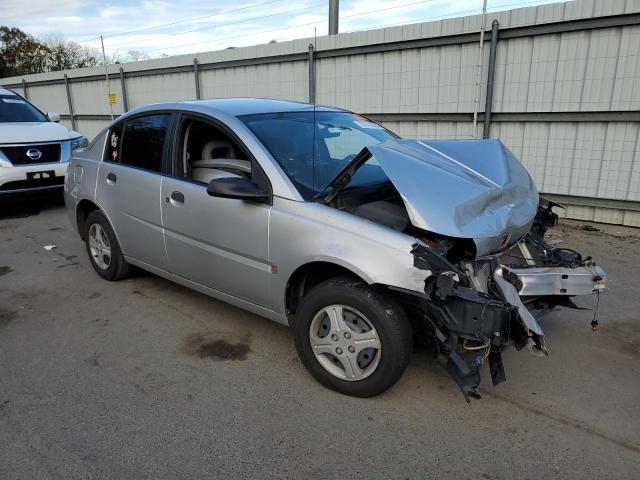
(27, 205)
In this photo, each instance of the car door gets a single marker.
(221, 243)
(128, 185)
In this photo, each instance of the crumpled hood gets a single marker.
(462, 188)
(28, 132)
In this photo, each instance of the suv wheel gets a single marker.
(103, 249)
(352, 338)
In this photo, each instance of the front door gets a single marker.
(128, 187)
(218, 242)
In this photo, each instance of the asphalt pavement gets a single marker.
(147, 379)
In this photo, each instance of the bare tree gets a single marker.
(66, 54)
(136, 56)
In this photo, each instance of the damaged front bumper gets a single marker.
(541, 281)
(473, 313)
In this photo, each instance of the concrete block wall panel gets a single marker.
(599, 76)
(542, 73)
(627, 218)
(160, 88)
(50, 98)
(283, 81)
(90, 98)
(626, 94)
(617, 165)
(90, 128)
(630, 218)
(440, 79)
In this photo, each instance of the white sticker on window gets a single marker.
(365, 124)
(12, 100)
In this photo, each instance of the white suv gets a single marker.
(34, 148)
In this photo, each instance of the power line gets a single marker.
(448, 15)
(211, 27)
(186, 20)
(293, 26)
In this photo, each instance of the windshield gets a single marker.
(339, 137)
(15, 109)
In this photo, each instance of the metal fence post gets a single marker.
(488, 102)
(312, 75)
(123, 87)
(24, 89)
(196, 75)
(71, 113)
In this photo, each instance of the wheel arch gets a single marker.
(83, 209)
(307, 276)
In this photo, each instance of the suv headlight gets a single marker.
(79, 142)
(4, 161)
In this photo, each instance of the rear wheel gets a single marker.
(103, 248)
(352, 338)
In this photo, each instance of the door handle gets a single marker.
(176, 197)
(111, 178)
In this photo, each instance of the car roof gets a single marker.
(249, 106)
(4, 91)
(236, 106)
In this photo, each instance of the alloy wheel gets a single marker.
(99, 246)
(345, 342)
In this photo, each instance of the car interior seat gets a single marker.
(214, 158)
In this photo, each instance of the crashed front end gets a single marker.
(475, 309)
(479, 226)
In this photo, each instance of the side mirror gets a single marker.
(240, 188)
(53, 116)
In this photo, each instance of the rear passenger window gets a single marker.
(142, 142)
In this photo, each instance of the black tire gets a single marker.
(381, 311)
(118, 268)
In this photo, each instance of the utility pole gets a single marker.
(106, 74)
(479, 72)
(333, 16)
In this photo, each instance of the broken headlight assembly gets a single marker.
(474, 307)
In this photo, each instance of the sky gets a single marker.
(158, 27)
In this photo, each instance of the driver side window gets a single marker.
(208, 153)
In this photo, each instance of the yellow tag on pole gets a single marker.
(112, 98)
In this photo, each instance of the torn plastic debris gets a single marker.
(535, 341)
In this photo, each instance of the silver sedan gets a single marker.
(323, 220)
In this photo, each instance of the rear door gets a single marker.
(221, 243)
(129, 180)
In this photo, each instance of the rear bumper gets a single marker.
(543, 281)
(15, 180)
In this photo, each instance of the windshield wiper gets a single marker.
(343, 178)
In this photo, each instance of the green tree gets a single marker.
(20, 53)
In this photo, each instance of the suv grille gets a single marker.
(49, 152)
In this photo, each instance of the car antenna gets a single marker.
(313, 99)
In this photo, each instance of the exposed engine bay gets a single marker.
(483, 291)
(474, 307)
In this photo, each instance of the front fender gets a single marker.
(306, 232)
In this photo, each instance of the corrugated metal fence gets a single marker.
(565, 95)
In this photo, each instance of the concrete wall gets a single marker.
(566, 94)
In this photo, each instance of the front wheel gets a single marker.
(352, 338)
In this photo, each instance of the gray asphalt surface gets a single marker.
(125, 381)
